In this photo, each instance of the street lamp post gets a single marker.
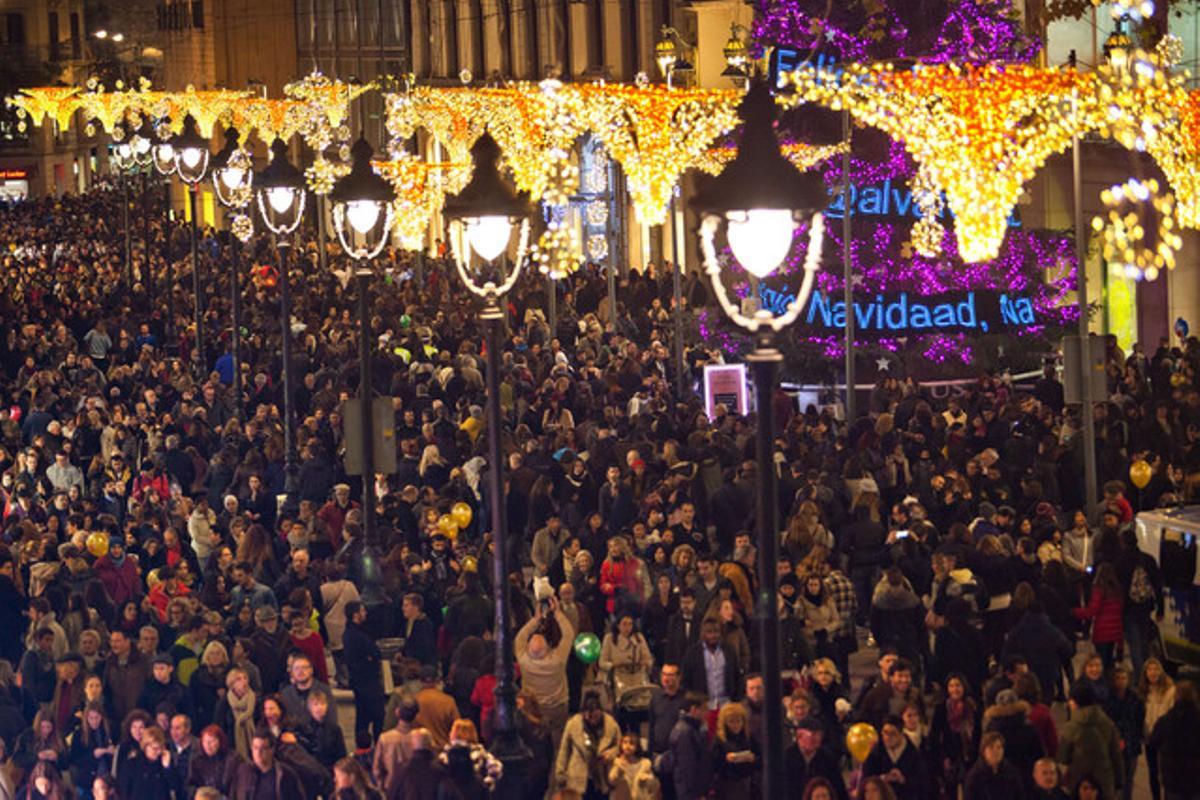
(163, 156)
(484, 213)
(191, 162)
(761, 197)
(232, 180)
(279, 189)
(363, 217)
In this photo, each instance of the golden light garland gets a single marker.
(656, 134)
(803, 156)
(1125, 240)
(57, 102)
(980, 132)
(420, 193)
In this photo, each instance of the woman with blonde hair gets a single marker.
(805, 531)
(235, 714)
(1157, 691)
(468, 765)
(208, 682)
(734, 754)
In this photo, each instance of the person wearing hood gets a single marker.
(993, 777)
(118, 574)
(1090, 745)
(1010, 718)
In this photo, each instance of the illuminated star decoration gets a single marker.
(882, 364)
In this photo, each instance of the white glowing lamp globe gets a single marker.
(362, 215)
(280, 198)
(761, 238)
(190, 156)
(232, 177)
(488, 236)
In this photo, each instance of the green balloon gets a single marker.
(587, 648)
(405, 320)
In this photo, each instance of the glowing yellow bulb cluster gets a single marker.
(656, 134)
(1125, 236)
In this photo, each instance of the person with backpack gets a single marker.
(1143, 583)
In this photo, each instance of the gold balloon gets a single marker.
(1140, 473)
(461, 512)
(97, 544)
(860, 739)
(447, 526)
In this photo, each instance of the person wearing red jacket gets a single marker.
(1104, 612)
(621, 575)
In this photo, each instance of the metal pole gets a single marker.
(847, 273)
(321, 255)
(170, 342)
(235, 300)
(291, 470)
(764, 362)
(365, 392)
(1085, 344)
(506, 742)
(128, 236)
(681, 389)
(197, 306)
(147, 269)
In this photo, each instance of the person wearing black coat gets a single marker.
(959, 647)
(666, 701)
(1175, 741)
(152, 777)
(13, 621)
(420, 777)
(695, 676)
(691, 767)
(214, 763)
(898, 762)
(1022, 746)
(420, 634)
(683, 629)
(807, 758)
(993, 777)
(363, 660)
(1043, 646)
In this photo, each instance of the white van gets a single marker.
(1170, 535)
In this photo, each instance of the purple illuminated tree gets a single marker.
(975, 31)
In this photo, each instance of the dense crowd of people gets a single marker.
(174, 622)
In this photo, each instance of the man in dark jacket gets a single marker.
(125, 673)
(898, 762)
(1022, 746)
(1143, 584)
(420, 635)
(362, 662)
(691, 768)
(269, 646)
(808, 758)
(263, 777)
(1044, 647)
(12, 620)
(711, 667)
(1174, 740)
(683, 628)
(666, 701)
(162, 688)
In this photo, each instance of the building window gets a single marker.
(14, 28)
(76, 42)
(54, 54)
(198, 14)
